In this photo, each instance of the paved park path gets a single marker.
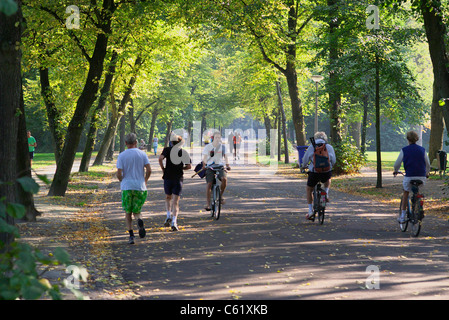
(261, 248)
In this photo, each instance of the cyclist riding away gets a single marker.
(318, 171)
(215, 153)
(416, 166)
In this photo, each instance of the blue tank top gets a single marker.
(414, 160)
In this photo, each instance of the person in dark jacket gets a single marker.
(416, 166)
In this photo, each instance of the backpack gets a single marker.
(320, 157)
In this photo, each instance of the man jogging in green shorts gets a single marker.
(133, 172)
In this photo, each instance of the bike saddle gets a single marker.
(416, 182)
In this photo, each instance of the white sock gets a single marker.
(310, 208)
(173, 222)
(404, 213)
(327, 190)
(168, 214)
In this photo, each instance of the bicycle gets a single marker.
(415, 209)
(215, 197)
(319, 202)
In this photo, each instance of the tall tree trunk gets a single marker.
(111, 149)
(283, 120)
(154, 115)
(436, 32)
(378, 147)
(23, 166)
(83, 105)
(53, 115)
(167, 133)
(10, 99)
(437, 125)
(334, 87)
(297, 116)
(116, 116)
(122, 133)
(290, 69)
(132, 123)
(94, 120)
(292, 77)
(364, 123)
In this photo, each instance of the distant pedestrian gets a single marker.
(142, 145)
(231, 142)
(155, 144)
(237, 141)
(176, 161)
(133, 172)
(32, 144)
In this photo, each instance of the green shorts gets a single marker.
(133, 200)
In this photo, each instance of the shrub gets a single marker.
(19, 276)
(349, 158)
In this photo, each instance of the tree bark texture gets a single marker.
(83, 105)
(93, 129)
(10, 99)
(436, 32)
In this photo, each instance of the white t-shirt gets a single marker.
(218, 155)
(132, 162)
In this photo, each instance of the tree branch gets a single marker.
(70, 32)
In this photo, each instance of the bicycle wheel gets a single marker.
(321, 216)
(217, 197)
(212, 201)
(404, 225)
(415, 220)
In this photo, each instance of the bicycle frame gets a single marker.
(319, 203)
(215, 197)
(415, 211)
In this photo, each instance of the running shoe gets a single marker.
(142, 231)
(167, 222)
(131, 240)
(174, 227)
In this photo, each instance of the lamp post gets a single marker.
(316, 79)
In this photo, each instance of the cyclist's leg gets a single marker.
(407, 188)
(224, 182)
(311, 183)
(209, 181)
(326, 180)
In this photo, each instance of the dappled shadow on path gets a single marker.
(263, 248)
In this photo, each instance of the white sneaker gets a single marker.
(174, 227)
(309, 215)
(402, 219)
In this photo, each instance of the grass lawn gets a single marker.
(388, 159)
(48, 159)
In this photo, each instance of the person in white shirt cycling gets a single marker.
(215, 153)
(315, 177)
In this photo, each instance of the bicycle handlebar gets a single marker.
(210, 167)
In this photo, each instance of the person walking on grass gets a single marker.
(133, 172)
(176, 161)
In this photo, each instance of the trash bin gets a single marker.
(442, 157)
(301, 152)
